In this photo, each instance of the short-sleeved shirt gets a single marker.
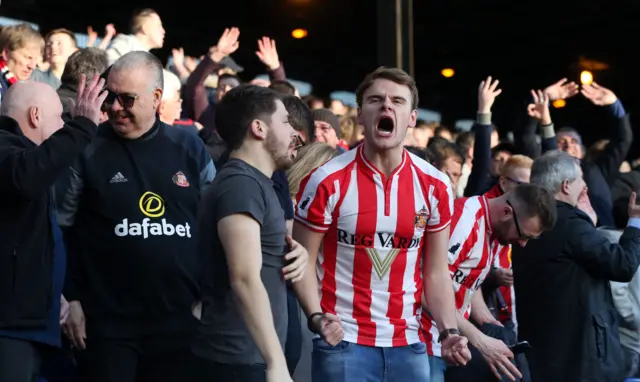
(369, 269)
(470, 259)
(223, 336)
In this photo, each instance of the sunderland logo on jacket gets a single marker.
(153, 207)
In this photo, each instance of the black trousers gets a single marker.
(161, 358)
(203, 370)
(20, 361)
(293, 345)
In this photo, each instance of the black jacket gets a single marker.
(564, 304)
(27, 174)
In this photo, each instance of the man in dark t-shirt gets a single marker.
(244, 314)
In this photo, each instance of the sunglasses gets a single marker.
(300, 143)
(126, 100)
(515, 221)
(514, 181)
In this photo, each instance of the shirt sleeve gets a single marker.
(317, 199)
(240, 194)
(440, 200)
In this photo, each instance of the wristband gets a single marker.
(310, 320)
(446, 333)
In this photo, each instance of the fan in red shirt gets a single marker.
(515, 217)
(378, 217)
(515, 171)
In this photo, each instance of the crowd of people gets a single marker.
(173, 222)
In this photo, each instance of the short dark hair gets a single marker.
(465, 141)
(139, 17)
(66, 31)
(88, 61)
(534, 200)
(300, 116)
(239, 108)
(283, 87)
(439, 152)
(396, 75)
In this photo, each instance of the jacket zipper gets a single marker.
(14, 268)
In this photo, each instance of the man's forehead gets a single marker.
(385, 87)
(127, 80)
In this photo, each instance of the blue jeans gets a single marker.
(349, 362)
(438, 367)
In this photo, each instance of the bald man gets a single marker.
(35, 147)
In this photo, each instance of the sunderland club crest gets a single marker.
(420, 221)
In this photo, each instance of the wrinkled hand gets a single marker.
(328, 326)
(498, 356)
(227, 44)
(178, 56)
(504, 276)
(634, 208)
(539, 109)
(598, 95)
(487, 93)
(109, 31)
(90, 99)
(298, 253)
(64, 310)
(561, 90)
(455, 350)
(92, 36)
(74, 327)
(584, 204)
(268, 54)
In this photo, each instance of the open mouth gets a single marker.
(385, 125)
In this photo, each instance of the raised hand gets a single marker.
(634, 208)
(109, 31)
(487, 93)
(598, 95)
(90, 98)
(584, 204)
(267, 53)
(539, 109)
(227, 44)
(92, 36)
(561, 90)
(178, 56)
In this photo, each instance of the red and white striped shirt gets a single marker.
(369, 268)
(470, 259)
(502, 256)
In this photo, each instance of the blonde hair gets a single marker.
(17, 36)
(309, 158)
(516, 161)
(348, 127)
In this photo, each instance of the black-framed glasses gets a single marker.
(514, 180)
(517, 224)
(126, 100)
(300, 143)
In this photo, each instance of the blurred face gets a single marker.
(519, 175)
(325, 133)
(453, 168)
(422, 136)
(59, 47)
(23, 61)
(317, 104)
(513, 228)
(573, 189)
(171, 108)
(224, 85)
(498, 161)
(154, 30)
(570, 145)
(446, 134)
(386, 112)
(282, 140)
(338, 108)
(132, 101)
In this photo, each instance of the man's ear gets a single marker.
(157, 98)
(258, 129)
(413, 118)
(6, 54)
(34, 117)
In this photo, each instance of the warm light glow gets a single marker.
(448, 72)
(299, 33)
(586, 78)
(559, 103)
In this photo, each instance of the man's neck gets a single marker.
(137, 133)
(496, 205)
(257, 158)
(564, 198)
(385, 161)
(144, 41)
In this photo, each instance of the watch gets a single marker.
(446, 333)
